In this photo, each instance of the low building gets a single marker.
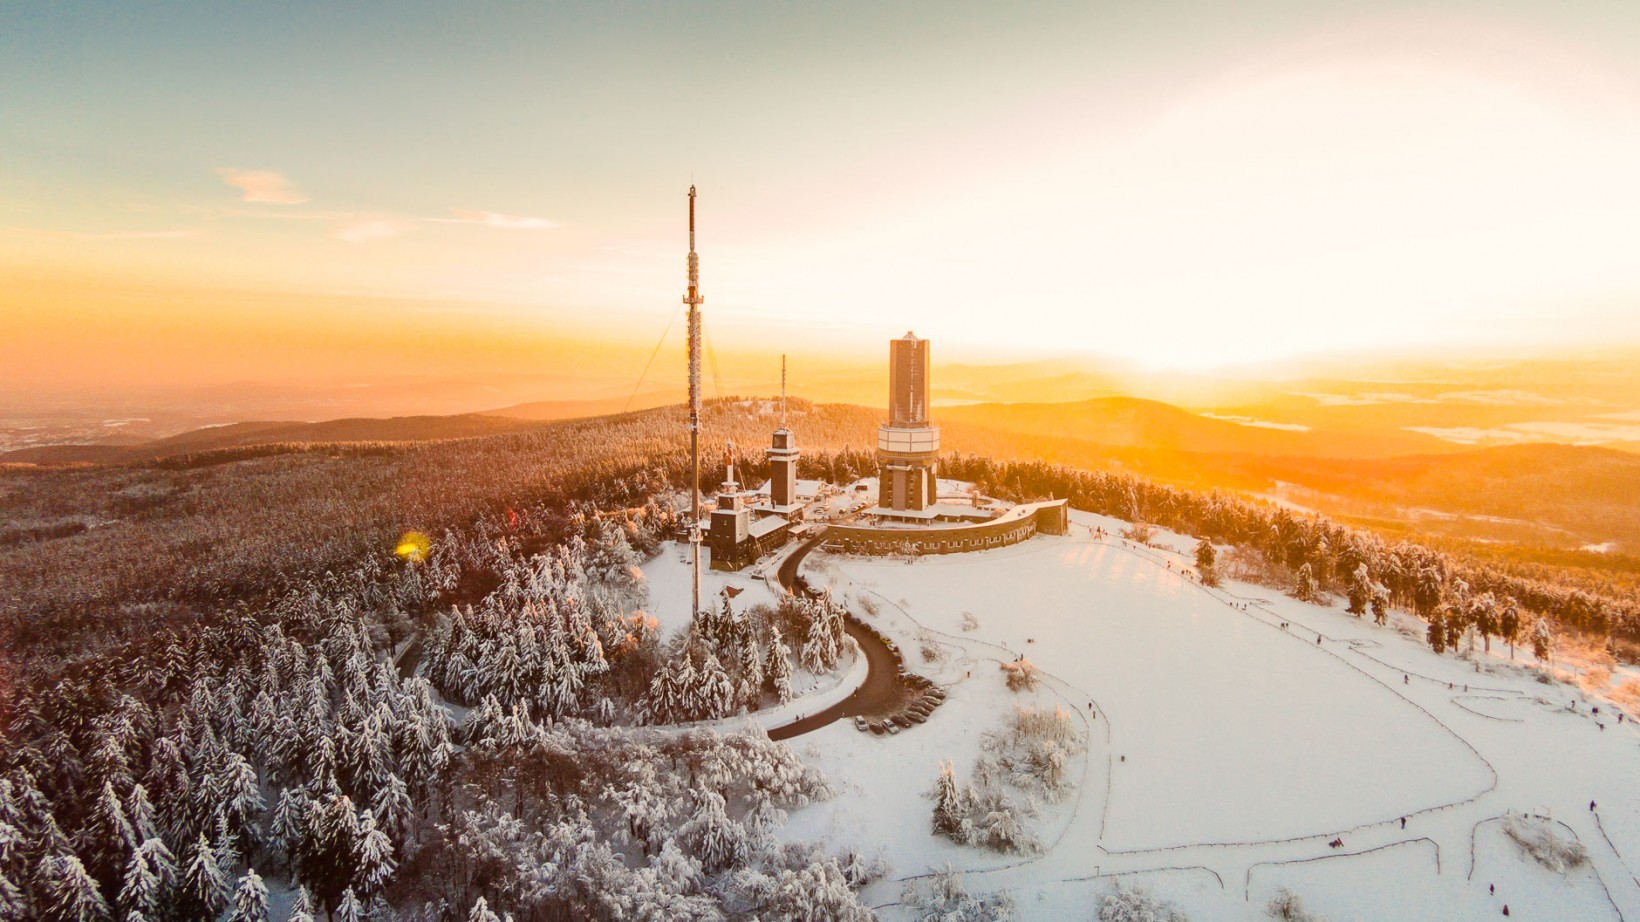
(953, 534)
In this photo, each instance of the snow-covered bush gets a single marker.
(1135, 904)
(1286, 906)
(1021, 674)
(1032, 751)
(942, 897)
(1139, 532)
(1537, 837)
(986, 816)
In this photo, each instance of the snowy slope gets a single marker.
(1248, 747)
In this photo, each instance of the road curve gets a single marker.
(881, 692)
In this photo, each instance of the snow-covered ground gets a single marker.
(1226, 752)
(667, 574)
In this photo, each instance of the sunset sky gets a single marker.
(196, 192)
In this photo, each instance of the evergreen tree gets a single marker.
(144, 888)
(1427, 589)
(375, 864)
(71, 894)
(778, 672)
(1483, 613)
(204, 889)
(250, 900)
(1543, 640)
(1437, 632)
(140, 811)
(1360, 591)
(950, 807)
(302, 909)
(718, 841)
(1307, 590)
(1207, 558)
(240, 796)
(393, 810)
(1380, 604)
(348, 908)
(1456, 624)
(109, 838)
(481, 912)
(1509, 626)
(285, 834)
(820, 648)
(714, 692)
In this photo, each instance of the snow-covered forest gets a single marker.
(282, 749)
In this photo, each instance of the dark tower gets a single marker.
(908, 382)
(907, 444)
(783, 455)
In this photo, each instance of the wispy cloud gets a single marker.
(266, 186)
(86, 235)
(493, 219)
(365, 229)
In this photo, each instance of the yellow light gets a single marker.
(413, 546)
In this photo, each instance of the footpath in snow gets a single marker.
(1226, 753)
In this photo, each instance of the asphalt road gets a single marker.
(882, 692)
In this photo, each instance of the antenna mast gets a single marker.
(782, 392)
(694, 300)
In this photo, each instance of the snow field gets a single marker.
(1234, 731)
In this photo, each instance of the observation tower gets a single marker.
(907, 443)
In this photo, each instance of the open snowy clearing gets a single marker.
(1248, 747)
(668, 574)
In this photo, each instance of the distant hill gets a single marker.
(1126, 422)
(576, 409)
(393, 429)
(1541, 492)
(1587, 491)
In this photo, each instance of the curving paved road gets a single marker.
(880, 694)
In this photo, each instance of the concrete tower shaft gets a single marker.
(908, 382)
(907, 443)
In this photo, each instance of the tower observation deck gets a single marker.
(907, 443)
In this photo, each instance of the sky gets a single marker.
(194, 192)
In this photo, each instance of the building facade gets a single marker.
(907, 443)
(1016, 525)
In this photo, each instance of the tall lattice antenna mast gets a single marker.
(782, 392)
(694, 300)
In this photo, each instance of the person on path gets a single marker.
(1591, 806)
(1403, 822)
(1405, 680)
(1318, 640)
